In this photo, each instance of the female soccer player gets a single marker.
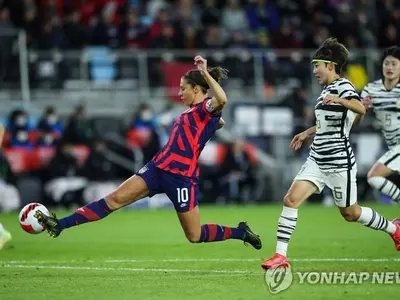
(174, 170)
(5, 236)
(384, 96)
(331, 161)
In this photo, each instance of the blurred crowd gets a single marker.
(190, 24)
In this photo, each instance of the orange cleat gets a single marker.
(277, 261)
(396, 235)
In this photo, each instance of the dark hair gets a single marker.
(333, 51)
(49, 110)
(391, 51)
(194, 77)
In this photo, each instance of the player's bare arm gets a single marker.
(219, 100)
(354, 105)
(367, 101)
(298, 139)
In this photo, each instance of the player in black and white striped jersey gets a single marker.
(383, 96)
(331, 162)
(331, 149)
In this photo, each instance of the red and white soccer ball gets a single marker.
(27, 220)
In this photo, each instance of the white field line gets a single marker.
(254, 259)
(182, 260)
(230, 272)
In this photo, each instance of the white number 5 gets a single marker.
(183, 195)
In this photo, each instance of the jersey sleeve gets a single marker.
(365, 92)
(207, 107)
(348, 92)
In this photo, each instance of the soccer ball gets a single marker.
(27, 220)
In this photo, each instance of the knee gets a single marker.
(290, 201)
(350, 216)
(378, 170)
(115, 200)
(192, 237)
(371, 173)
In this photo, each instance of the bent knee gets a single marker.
(291, 200)
(115, 200)
(379, 170)
(192, 237)
(372, 173)
(349, 216)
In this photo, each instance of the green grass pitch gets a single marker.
(144, 255)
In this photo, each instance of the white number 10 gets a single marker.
(183, 195)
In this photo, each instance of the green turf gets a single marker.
(160, 264)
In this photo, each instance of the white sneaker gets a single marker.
(4, 238)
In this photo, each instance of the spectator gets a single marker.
(151, 146)
(237, 173)
(389, 37)
(234, 18)
(78, 130)
(156, 27)
(212, 39)
(31, 22)
(18, 120)
(133, 33)
(20, 139)
(87, 10)
(52, 35)
(190, 39)
(285, 37)
(316, 38)
(49, 122)
(76, 34)
(47, 139)
(211, 14)
(6, 42)
(105, 33)
(64, 185)
(167, 39)
(100, 171)
(263, 14)
(144, 118)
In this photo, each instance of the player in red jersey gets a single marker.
(174, 170)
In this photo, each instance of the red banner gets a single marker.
(173, 73)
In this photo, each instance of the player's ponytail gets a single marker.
(194, 77)
(218, 73)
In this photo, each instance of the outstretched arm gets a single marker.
(298, 139)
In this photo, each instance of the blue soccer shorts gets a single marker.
(181, 190)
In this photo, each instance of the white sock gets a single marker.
(386, 187)
(286, 225)
(370, 218)
(1, 229)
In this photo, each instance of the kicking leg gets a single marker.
(297, 194)
(196, 233)
(133, 189)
